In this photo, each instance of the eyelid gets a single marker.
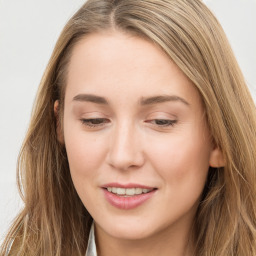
(94, 122)
(162, 123)
(161, 120)
(92, 114)
(161, 115)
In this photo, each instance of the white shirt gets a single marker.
(91, 248)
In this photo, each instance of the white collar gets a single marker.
(91, 247)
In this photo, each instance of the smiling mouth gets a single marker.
(127, 196)
(127, 192)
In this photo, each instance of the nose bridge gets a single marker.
(125, 150)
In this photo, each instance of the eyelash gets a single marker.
(162, 122)
(94, 122)
(98, 122)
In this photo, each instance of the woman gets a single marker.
(143, 132)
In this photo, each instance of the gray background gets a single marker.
(28, 32)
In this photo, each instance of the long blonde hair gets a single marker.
(54, 220)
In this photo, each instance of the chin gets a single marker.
(130, 234)
(129, 230)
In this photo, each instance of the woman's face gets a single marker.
(136, 138)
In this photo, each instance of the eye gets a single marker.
(94, 122)
(162, 122)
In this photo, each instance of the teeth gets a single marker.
(120, 191)
(138, 191)
(128, 191)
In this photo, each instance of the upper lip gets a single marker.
(128, 185)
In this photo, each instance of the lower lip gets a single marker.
(129, 202)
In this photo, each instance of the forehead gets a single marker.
(118, 65)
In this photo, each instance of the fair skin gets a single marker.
(131, 116)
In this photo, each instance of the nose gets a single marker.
(125, 150)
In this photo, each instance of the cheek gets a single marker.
(182, 161)
(85, 153)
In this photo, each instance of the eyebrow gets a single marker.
(90, 98)
(162, 99)
(144, 101)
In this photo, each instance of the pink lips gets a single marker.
(129, 202)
